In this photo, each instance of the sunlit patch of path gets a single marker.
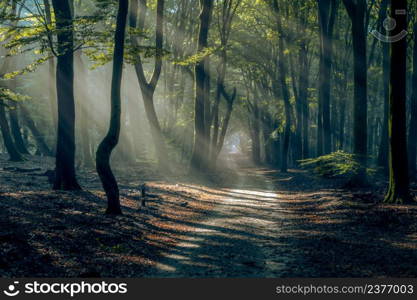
(238, 239)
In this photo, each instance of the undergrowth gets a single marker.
(338, 164)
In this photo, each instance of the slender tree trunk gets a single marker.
(383, 146)
(83, 102)
(282, 77)
(148, 88)
(200, 155)
(356, 13)
(15, 126)
(225, 123)
(256, 147)
(11, 148)
(65, 151)
(15, 129)
(37, 135)
(327, 16)
(112, 138)
(398, 190)
(303, 99)
(412, 132)
(51, 73)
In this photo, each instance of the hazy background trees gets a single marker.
(274, 80)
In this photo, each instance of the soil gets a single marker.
(246, 222)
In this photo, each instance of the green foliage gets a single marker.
(336, 164)
(7, 94)
(196, 58)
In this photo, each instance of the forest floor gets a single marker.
(247, 222)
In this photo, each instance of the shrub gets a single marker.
(338, 164)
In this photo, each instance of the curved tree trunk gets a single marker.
(112, 138)
(148, 87)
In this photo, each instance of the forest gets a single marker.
(210, 138)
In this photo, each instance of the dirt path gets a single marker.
(240, 238)
(249, 222)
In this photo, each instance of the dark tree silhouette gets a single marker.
(327, 16)
(112, 138)
(398, 190)
(412, 133)
(356, 10)
(383, 147)
(200, 151)
(65, 149)
(148, 87)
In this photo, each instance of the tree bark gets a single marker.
(15, 129)
(303, 99)
(148, 87)
(200, 154)
(14, 154)
(112, 138)
(82, 101)
(282, 77)
(383, 146)
(51, 72)
(256, 143)
(412, 133)
(15, 125)
(65, 178)
(327, 15)
(356, 11)
(37, 135)
(398, 189)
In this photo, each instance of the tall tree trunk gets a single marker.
(148, 87)
(327, 15)
(112, 138)
(383, 146)
(65, 151)
(282, 77)
(15, 126)
(412, 133)
(256, 143)
(14, 154)
(83, 102)
(398, 190)
(230, 99)
(51, 72)
(356, 11)
(303, 99)
(199, 156)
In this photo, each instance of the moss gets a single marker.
(334, 165)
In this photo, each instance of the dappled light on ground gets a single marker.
(249, 222)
